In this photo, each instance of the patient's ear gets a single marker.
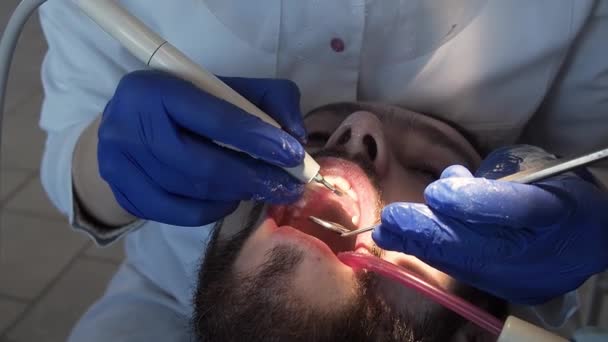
(472, 333)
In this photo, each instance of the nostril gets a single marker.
(344, 138)
(372, 148)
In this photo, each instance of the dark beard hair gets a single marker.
(258, 307)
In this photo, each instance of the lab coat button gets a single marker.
(337, 44)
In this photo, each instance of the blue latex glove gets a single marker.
(155, 149)
(524, 243)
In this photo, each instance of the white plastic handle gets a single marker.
(158, 54)
(517, 330)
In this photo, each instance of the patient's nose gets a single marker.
(361, 134)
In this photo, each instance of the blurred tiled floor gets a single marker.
(48, 274)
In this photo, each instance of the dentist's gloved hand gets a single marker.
(156, 152)
(524, 243)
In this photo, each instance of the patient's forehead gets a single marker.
(344, 109)
(339, 111)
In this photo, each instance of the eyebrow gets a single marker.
(425, 129)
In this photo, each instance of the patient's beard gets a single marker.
(260, 307)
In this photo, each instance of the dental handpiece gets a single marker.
(158, 54)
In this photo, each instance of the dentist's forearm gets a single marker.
(94, 194)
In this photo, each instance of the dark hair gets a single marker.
(234, 307)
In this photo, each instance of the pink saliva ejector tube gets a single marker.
(406, 278)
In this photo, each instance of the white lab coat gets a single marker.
(508, 71)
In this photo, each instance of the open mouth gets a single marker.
(356, 209)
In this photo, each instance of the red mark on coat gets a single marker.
(337, 45)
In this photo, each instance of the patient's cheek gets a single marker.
(401, 185)
(253, 252)
(319, 281)
(324, 286)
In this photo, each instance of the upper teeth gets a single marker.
(339, 182)
(344, 185)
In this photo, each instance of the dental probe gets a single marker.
(158, 54)
(535, 174)
(335, 227)
(555, 167)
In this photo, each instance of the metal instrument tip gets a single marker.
(334, 227)
(338, 228)
(326, 184)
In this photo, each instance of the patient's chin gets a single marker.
(318, 278)
(405, 301)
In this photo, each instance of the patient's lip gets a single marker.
(316, 203)
(292, 233)
(365, 193)
(319, 201)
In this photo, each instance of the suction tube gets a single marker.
(448, 300)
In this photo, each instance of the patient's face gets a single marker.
(280, 278)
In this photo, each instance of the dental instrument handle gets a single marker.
(516, 330)
(358, 231)
(554, 168)
(158, 54)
